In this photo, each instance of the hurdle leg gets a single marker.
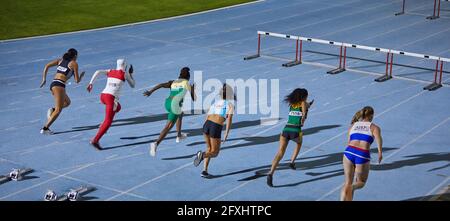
(435, 85)
(258, 50)
(296, 61)
(389, 64)
(434, 16)
(341, 67)
(403, 9)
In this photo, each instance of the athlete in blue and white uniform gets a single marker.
(67, 67)
(356, 158)
(222, 110)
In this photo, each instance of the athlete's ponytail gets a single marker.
(70, 54)
(366, 112)
(227, 92)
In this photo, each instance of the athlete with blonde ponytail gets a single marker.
(356, 158)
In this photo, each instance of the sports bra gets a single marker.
(63, 68)
(361, 131)
(220, 107)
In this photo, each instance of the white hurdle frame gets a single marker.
(437, 83)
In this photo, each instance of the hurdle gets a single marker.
(298, 47)
(436, 9)
(437, 83)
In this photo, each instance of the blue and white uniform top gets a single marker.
(221, 107)
(361, 131)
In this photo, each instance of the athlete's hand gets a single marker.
(380, 157)
(147, 93)
(130, 70)
(89, 88)
(42, 83)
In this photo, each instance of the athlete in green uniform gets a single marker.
(298, 111)
(173, 105)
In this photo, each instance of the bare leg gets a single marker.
(59, 94)
(164, 132)
(349, 173)
(362, 173)
(179, 123)
(208, 149)
(66, 101)
(280, 154)
(297, 148)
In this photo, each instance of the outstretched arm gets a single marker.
(89, 88)
(47, 66)
(162, 85)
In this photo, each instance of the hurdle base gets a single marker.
(251, 57)
(433, 86)
(336, 71)
(432, 17)
(399, 13)
(383, 78)
(292, 63)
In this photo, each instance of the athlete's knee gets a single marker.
(57, 110)
(360, 184)
(214, 153)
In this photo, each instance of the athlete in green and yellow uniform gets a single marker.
(298, 111)
(173, 105)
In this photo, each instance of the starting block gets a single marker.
(71, 195)
(15, 175)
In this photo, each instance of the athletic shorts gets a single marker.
(357, 155)
(58, 83)
(212, 129)
(172, 115)
(294, 136)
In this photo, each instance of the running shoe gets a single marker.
(183, 136)
(153, 149)
(198, 158)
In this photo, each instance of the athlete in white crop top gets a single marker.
(356, 158)
(221, 111)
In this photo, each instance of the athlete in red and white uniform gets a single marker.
(110, 95)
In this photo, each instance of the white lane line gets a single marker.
(338, 98)
(34, 121)
(326, 104)
(440, 193)
(229, 191)
(76, 135)
(417, 138)
(112, 156)
(149, 181)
